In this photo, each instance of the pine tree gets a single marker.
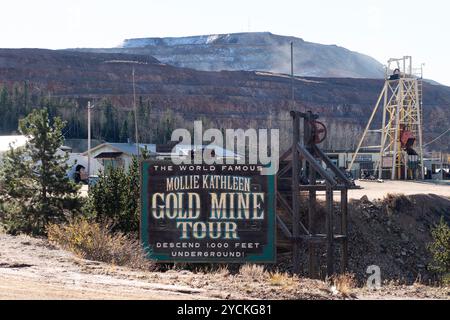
(35, 187)
(115, 198)
(123, 137)
(440, 249)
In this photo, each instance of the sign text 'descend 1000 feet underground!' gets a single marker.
(207, 213)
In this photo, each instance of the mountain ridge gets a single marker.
(254, 51)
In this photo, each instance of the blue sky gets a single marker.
(381, 29)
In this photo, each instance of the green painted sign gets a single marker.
(207, 213)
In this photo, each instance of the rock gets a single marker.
(364, 199)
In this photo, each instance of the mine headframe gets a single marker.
(399, 135)
(305, 174)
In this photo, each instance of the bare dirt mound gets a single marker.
(393, 234)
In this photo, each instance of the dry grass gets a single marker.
(256, 273)
(281, 279)
(222, 271)
(95, 241)
(253, 271)
(344, 284)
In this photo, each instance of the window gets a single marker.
(112, 163)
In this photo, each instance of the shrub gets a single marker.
(440, 250)
(95, 241)
(35, 188)
(115, 197)
(344, 283)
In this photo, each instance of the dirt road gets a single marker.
(375, 190)
(31, 268)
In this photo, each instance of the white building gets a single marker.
(115, 155)
(13, 141)
(121, 154)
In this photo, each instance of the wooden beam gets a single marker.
(338, 172)
(295, 193)
(318, 238)
(330, 235)
(313, 162)
(283, 227)
(286, 206)
(311, 215)
(283, 171)
(286, 154)
(344, 230)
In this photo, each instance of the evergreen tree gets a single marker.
(115, 197)
(440, 249)
(35, 187)
(123, 137)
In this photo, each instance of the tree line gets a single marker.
(108, 122)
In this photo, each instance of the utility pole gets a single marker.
(89, 139)
(135, 117)
(292, 75)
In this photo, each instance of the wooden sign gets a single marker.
(207, 213)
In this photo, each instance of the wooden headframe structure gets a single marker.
(305, 169)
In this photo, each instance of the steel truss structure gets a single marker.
(400, 135)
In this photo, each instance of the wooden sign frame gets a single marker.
(199, 201)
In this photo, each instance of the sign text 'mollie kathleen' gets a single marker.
(213, 213)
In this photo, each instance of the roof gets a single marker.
(16, 141)
(108, 155)
(185, 149)
(128, 148)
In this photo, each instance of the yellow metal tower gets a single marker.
(400, 135)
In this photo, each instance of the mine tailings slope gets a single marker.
(230, 98)
(393, 233)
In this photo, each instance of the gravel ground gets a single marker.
(31, 268)
(376, 190)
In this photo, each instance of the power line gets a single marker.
(437, 138)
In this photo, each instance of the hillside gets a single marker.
(226, 99)
(261, 51)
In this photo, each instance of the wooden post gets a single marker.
(344, 230)
(330, 234)
(295, 194)
(311, 215)
(307, 136)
